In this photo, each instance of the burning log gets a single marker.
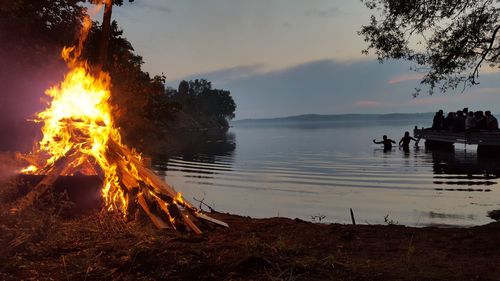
(158, 222)
(79, 136)
(55, 171)
(137, 185)
(155, 197)
(189, 222)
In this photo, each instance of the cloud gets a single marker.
(486, 70)
(226, 75)
(475, 98)
(334, 87)
(135, 11)
(405, 77)
(489, 90)
(325, 13)
(325, 86)
(418, 76)
(158, 7)
(367, 103)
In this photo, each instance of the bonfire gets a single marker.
(80, 137)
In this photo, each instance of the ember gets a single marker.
(79, 136)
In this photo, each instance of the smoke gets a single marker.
(30, 63)
(22, 87)
(10, 165)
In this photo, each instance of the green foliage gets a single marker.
(135, 96)
(142, 107)
(389, 221)
(31, 30)
(448, 40)
(207, 106)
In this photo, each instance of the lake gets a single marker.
(317, 171)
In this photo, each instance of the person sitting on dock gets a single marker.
(491, 121)
(459, 121)
(405, 140)
(438, 121)
(386, 142)
(480, 120)
(449, 122)
(470, 122)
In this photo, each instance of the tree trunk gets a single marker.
(106, 32)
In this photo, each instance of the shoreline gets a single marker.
(44, 243)
(39, 244)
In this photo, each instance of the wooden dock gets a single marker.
(489, 141)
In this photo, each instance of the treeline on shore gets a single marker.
(341, 118)
(146, 111)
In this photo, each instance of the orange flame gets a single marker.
(78, 127)
(78, 118)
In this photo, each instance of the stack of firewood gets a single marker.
(160, 202)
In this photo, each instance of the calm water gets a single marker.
(321, 170)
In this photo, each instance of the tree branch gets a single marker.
(475, 73)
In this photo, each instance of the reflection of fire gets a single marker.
(79, 136)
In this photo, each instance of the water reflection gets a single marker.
(203, 154)
(289, 171)
(319, 123)
(464, 169)
(451, 216)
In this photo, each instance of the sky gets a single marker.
(281, 58)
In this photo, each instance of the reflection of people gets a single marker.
(405, 140)
(386, 142)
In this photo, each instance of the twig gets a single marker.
(65, 270)
(204, 204)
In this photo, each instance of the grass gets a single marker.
(41, 243)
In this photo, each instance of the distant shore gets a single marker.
(340, 117)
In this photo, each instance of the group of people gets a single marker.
(460, 121)
(404, 142)
(465, 121)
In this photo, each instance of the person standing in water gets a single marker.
(405, 141)
(386, 142)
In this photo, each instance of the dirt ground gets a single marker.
(42, 244)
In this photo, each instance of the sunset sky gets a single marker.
(281, 58)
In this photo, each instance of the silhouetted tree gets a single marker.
(183, 87)
(199, 86)
(142, 107)
(448, 40)
(106, 28)
(34, 29)
(212, 103)
(204, 105)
